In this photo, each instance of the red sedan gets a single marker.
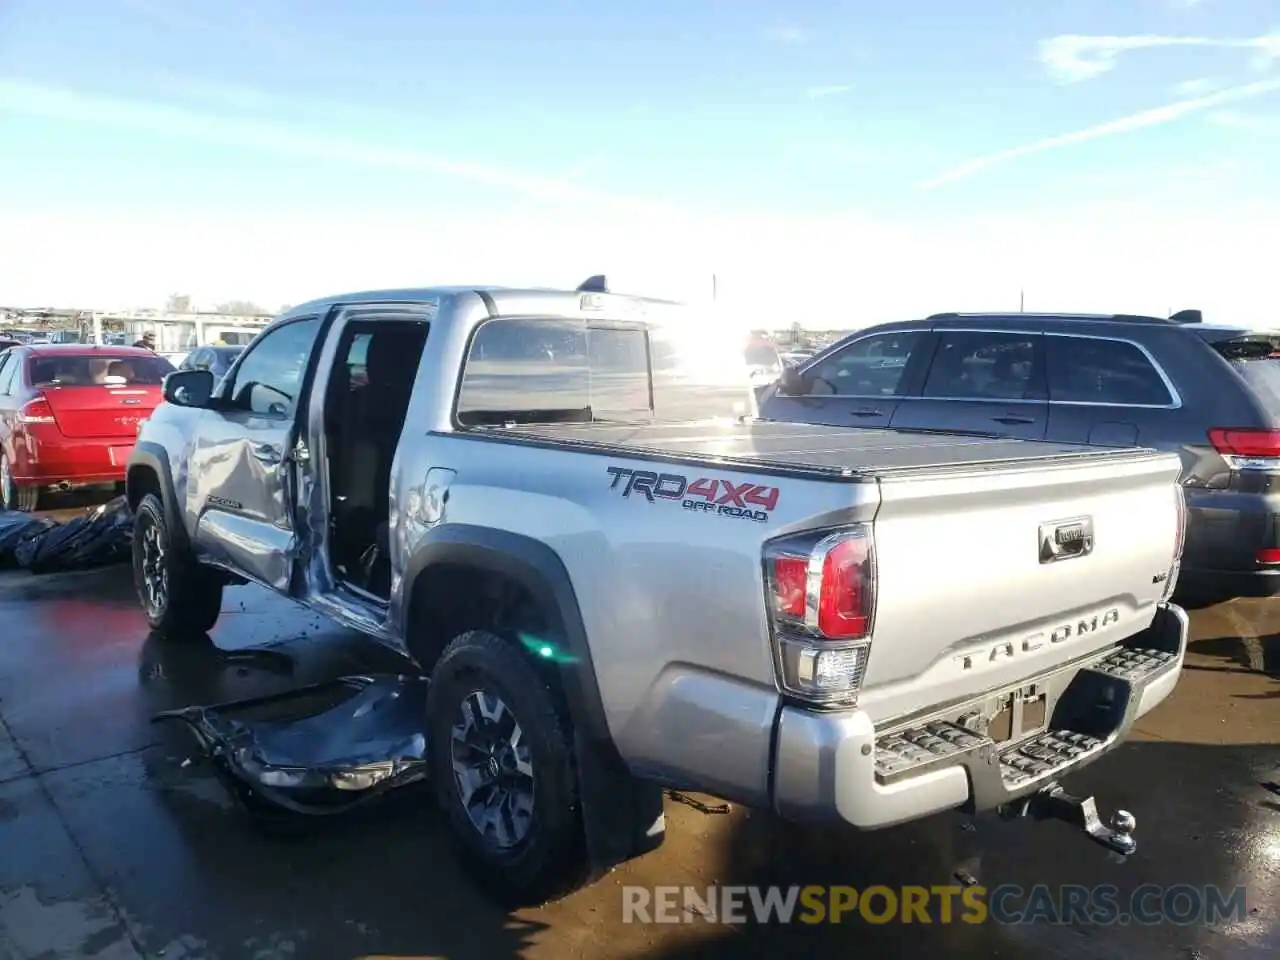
(69, 415)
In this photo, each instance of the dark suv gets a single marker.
(1210, 392)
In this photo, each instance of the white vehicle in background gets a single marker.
(764, 364)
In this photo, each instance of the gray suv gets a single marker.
(1209, 392)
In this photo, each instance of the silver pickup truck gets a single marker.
(562, 507)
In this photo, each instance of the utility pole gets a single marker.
(1022, 301)
(714, 287)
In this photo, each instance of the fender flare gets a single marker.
(151, 456)
(537, 568)
(622, 815)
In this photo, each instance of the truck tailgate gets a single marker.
(971, 597)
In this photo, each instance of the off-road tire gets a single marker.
(550, 861)
(24, 499)
(193, 594)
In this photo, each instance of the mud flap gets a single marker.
(1052, 802)
(622, 816)
(316, 750)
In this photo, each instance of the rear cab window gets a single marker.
(555, 371)
(540, 370)
(90, 371)
(1104, 371)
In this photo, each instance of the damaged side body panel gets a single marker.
(320, 749)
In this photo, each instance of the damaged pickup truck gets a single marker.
(561, 507)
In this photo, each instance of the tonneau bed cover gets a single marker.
(846, 452)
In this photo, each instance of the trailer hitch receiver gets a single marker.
(1052, 802)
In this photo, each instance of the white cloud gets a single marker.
(273, 138)
(1072, 58)
(1197, 86)
(1134, 121)
(1248, 122)
(834, 90)
(788, 33)
(1082, 260)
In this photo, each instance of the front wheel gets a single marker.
(12, 496)
(501, 758)
(180, 598)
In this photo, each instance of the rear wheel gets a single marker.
(502, 766)
(13, 497)
(180, 598)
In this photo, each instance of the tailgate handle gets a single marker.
(1066, 539)
(866, 412)
(1012, 419)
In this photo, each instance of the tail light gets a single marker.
(1246, 448)
(821, 595)
(36, 411)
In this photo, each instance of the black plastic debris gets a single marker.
(101, 536)
(320, 749)
(17, 529)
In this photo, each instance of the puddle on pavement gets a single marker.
(30, 927)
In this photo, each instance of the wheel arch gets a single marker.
(149, 472)
(622, 815)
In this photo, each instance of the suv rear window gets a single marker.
(1263, 378)
(89, 371)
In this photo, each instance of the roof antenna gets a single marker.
(596, 284)
(1187, 316)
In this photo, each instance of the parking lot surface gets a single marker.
(111, 848)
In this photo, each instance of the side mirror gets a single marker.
(793, 384)
(189, 388)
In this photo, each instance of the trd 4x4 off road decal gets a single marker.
(722, 498)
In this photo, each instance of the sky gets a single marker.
(828, 163)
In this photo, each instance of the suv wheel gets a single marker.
(12, 496)
(502, 766)
(180, 598)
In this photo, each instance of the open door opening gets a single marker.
(365, 406)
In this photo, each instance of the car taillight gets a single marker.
(821, 595)
(1246, 448)
(36, 411)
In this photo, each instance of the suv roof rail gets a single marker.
(1114, 317)
(595, 284)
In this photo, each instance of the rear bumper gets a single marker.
(838, 766)
(1225, 531)
(48, 460)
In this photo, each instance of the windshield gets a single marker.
(89, 371)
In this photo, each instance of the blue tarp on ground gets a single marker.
(101, 536)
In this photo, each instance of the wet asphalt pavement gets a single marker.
(110, 848)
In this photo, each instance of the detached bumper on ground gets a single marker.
(839, 766)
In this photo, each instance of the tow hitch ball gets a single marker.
(1054, 803)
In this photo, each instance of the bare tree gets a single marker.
(240, 308)
(178, 303)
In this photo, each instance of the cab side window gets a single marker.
(269, 378)
(871, 367)
(8, 364)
